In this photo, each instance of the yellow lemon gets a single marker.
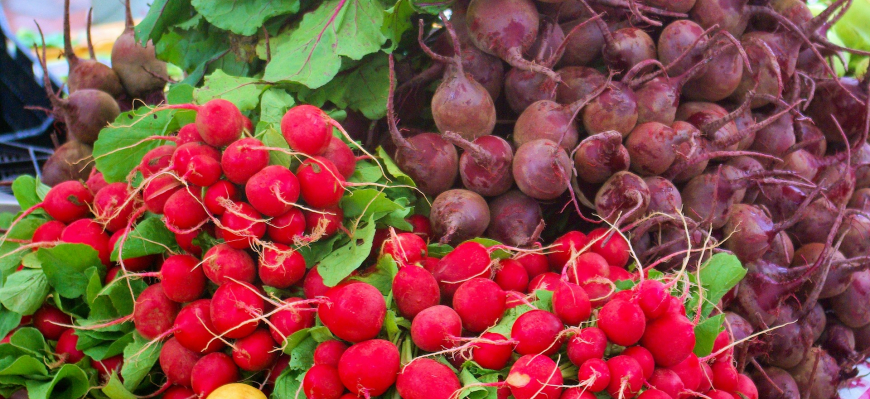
(236, 391)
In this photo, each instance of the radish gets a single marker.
(341, 156)
(284, 229)
(108, 366)
(216, 195)
(436, 328)
(610, 245)
(353, 312)
(594, 375)
(322, 382)
(653, 298)
(480, 303)
(182, 279)
(626, 377)
(542, 169)
(66, 347)
(194, 329)
(545, 281)
(157, 191)
(493, 355)
(138, 264)
(177, 363)
(458, 215)
(320, 183)
(178, 392)
(369, 368)
(468, 260)
(223, 264)
(255, 351)
(329, 352)
(280, 266)
(285, 322)
(312, 285)
(273, 190)
(512, 276)
(306, 129)
(96, 181)
(535, 263)
(405, 248)
(184, 210)
(157, 159)
(197, 163)
(414, 289)
(571, 304)
(587, 343)
(676, 333)
(667, 382)
(67, 201)
(324, 222)
(242, 225)
(188, 134)
(566, 248)
(533, 376)
(235, 308)
(537, 332)
(51, 321)
(243, 159)
(113, 206)
(426, 378)
(211, 372)
(138, 68)
(644, 359)
(622, 321)
(154, 312)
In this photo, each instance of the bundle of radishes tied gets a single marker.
(601, 198)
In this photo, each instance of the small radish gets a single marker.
(626, 377)
(178, 392)
(566, 248)
(427, 379)
(177, 362)
(320, 182)
(322, 382)
(194, 330)
(273, 190)
(156, 160)
(51, 321)
(535, 263)
(217, 194)
(421, 226)
(281, 266)
(435, 328)
(235, 308)
(369, 368)
(255, 351)
(576, 393)
(480, 303)
(280, 365)
(644, 359)
(468, 260)
(622, 321)
(667, 381)
(183, 210)
(312, 285)
(188, 134)
(588, 343)
(725, 376)
(68, 201)
(108, 366)
(96, 181)
(414, 289)
(610, 245)
(218, 121)
(285, 322)
(689, 371)
(158, 190)
(652, 298)
(285, 228)
(494, 355)
(323, 222)
(585, 268)
(137, 264)
(512, 276)
(537, 332)
(197, 163)
(306, 129)
(676, 333)
(242, 225)
(66, 347)
(571, 304)
(211, 372)
(154, 312)
(534, 376)
(405, 248)
(595, 374)
(223, 263)
(49, 231)
(182, 278)
(329, 352)
(244, 158)
(341, 156)
(354, 312)
(547, 281)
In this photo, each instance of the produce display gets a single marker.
(563, 199)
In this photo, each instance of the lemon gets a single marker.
(236, 391)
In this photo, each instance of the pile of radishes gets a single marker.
(97, 95)
(687, 124)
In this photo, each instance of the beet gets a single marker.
(583, 47)
(87, 73)
(485, 165)
(542, 169)
(840, 102)
(515, 219)
(653, 147)
(664, 196)
(818, 374)
(624, 197)
(839, 275)
(614, 109)
(458, 215)
(839, 341)
(721, 76)
(855, 231)
(578, 82)
(775, 383)
(137, 66)
(624, 48)
(788, 343)
(680, 45)
(71, 161)
(599, 156)
(766, 77)
(522, 87)
(852, 307)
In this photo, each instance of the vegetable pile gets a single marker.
(598, 199)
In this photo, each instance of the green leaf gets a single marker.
(719, 275)
(393, 169)
(289, 385)
(11, 254)
(302, 357)
(109, 348)
(202, 48)
(341, 262)
(115, 389)
(311, 53)
(241, 91)
(243, 17)
(366, 172)
(150, 237)
(28, 191)
(544, 300)
(27, 366)
(488, 242)
(431, 6)
(437, 250)
(706, 333)
(64, 266)
(71, 381)
(367, 203)
(274, 103)
(397, 21)
(315, 252)
(363, 88)
(8, 321)
(381, 275)
(30, 340)
(161, 15)
(507, 321)
(138, 360)
(121, 146)
(24, 291)
(271, 137)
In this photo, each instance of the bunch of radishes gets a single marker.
(690, 124)
(97, 95)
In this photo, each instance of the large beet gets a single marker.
(614, 109)
(818, 375)
(87, 73)
(485, 166)
(71, 161)
(458, 215)
(137, 66)
(599, 156)
(542, 169)
(515, 219)
(624, 197)
(852, 307)
(832, 102)
(775, 383)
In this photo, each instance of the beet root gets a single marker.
(599, 156)
(542, 169)
(137, 66)
(458, 215)
(71, 161)
(625, 197)
(515, 219)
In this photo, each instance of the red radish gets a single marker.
(244, 158)
(182, 278)
(341, 156)
(177, 362)
(421, 226)
(157, 191)
(218, 121)
(571, 304)
(255, 351)
(435, 328)
(506, 28)
(588, 343)
(156, 160)
(566, 248)
(618, 273)
(485, 164)
(234, 309)
(242, 224)
(87, 73)
(273, 190)
(534, 263)
(492, 355)
(414, 289)
(534, 376)
(68, 201)
(108, 366)
(667, 382)
(183, 210)
(676, 333)
(480, 303)
(724, 376)
(211, 372)
(546, 281)
(468, 260)
(353, 312)
(689, 371)
(610, 245)
(425, 379)
(154, 312)
(652, 298)
(188, 134)
(585, 268)
(281, 364)
(644, 359)
(217, 193)
(66, 347)
(322, 382)
(197, 164)
(595, 374)
(287, 321)
(369, 368)
(745, 387)
(223, 263)
(178, 392)
(576, 393)
(312, 285)
(49, 231)
(654, 394)
(622, 321)
(281, 266)
(185, 241)
(96, 181)
(306, 129)
(405, 248)
(51, 322)
(285, 228)
(323, 222)
(512, 276)
(194, 330)
(329, 352)
(320, 182)
(626, 377)
(537, 332)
